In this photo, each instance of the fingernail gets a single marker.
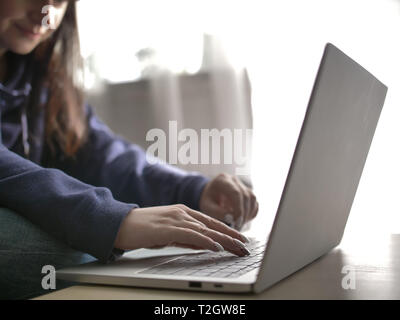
(219, 247)
(242, 247)
(245, 239)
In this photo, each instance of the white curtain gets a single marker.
(155, 63)
(217, 97)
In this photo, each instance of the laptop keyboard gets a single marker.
(212, 264)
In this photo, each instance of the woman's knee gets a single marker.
(24, 250)
(21, 235)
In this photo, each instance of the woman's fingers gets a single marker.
(228, 199)
(193, 226)
(230, 244)
(189, 237)
(157, 227)
(241, 198)
(214, 224)
(234, 194)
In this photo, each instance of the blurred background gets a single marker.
(244, 65)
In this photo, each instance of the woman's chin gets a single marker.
(22, 49)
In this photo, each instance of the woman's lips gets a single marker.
(29, 33)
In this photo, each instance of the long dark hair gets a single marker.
(58, 62)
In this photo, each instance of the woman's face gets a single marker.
(23, 26)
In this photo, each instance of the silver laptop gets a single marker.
(326, 168)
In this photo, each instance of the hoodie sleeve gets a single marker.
(108, 160)
(85, 217)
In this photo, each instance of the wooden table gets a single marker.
(359, 268)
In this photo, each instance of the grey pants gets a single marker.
(24, 250)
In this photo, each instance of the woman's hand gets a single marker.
(177, 225)
(226, 198)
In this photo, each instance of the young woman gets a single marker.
(76, 190)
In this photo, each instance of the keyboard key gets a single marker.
(221, 264)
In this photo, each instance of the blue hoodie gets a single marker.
(80, 201)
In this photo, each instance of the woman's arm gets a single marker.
(89, 219)
(86, 218)
(109, 161)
